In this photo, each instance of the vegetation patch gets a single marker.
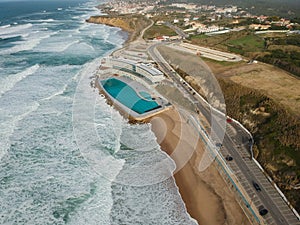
(276, 49)
(276, 133)
(158, 30)
(249, 43)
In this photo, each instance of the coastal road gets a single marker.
(236, 143)
(177, 30)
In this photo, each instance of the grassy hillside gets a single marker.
(158, 30)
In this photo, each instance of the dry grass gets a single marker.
(277, 84)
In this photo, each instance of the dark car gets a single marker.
(256, 186)
(262, 210)
(219, 145)
(228, 158)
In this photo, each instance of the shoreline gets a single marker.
(207, 197)
(204, 202)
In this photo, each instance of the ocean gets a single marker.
(66, 157)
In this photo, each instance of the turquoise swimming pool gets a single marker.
(128, 96)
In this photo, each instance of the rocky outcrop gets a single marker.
(133, 24)
(123, 23)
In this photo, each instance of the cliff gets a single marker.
(133, 24)
(113, 21)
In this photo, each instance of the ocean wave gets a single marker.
(64, 47)
(5, 26)
(8, 126)
(60, 92)
(42, 21)
(9, 82)
(87, 46)
(15, 29)
(58, 44)
(8, 36)
(153, 204)
(28, 44)
(45, 20)
(84, 126)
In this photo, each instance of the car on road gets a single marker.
(262, 210)
(229, 158)
(219, 145)
(228, 120)
(256, 186)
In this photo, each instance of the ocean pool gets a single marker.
(126, 95)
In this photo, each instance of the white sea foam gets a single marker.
(84, 126)
(8, 126)
(56, 94)
(97, 210)
(5, 26)
(10, 81)
(45, 20)
(30, 42)
(62, 49)
(15, 29)
(58, 43)
(87, 46)
(22, 47)
(42, 21)
(21, 34)
(153, 204)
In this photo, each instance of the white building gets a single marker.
(142, 70)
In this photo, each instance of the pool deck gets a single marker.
(127, 112)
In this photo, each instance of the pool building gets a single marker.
(145, 71)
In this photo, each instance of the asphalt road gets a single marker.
(236, 144)
(177, 30)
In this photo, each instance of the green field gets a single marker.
(278, 49)
(238, 42)
(249, 43)
(158, 30)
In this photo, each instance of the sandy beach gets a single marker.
(207, 197)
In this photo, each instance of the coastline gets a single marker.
(132, 25)
(205, 195)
